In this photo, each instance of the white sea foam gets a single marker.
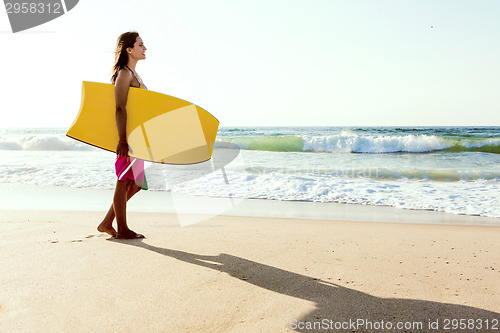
(42, 143)
(346, 142)
(473, 198)
(349, 142)
(481, 143)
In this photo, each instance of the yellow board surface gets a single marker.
(160, 128)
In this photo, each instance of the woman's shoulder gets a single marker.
(124, 73)
(125, 70)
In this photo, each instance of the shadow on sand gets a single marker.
(334, 302)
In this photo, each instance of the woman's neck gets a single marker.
(131, 64)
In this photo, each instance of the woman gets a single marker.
(129, 171)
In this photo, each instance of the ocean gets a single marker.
(448, 169)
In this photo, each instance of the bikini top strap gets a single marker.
(133, 73)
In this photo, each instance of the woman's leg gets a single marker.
(107, 223)
(120, 207)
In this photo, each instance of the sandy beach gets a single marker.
(244, 274)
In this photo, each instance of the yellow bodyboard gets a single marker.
(160, 128)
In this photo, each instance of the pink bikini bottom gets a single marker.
(131, 168)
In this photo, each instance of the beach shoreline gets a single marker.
(59, 198)
(238, 265)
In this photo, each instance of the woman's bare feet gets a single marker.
(128, 234)
(104, 227)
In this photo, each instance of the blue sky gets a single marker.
(270, 63)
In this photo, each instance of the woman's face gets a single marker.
(139, 49)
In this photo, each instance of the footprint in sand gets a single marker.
(81, 240)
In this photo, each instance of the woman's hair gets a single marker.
(125, 40)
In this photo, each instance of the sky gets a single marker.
(269, 62)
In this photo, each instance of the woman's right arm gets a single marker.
(122, 85)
